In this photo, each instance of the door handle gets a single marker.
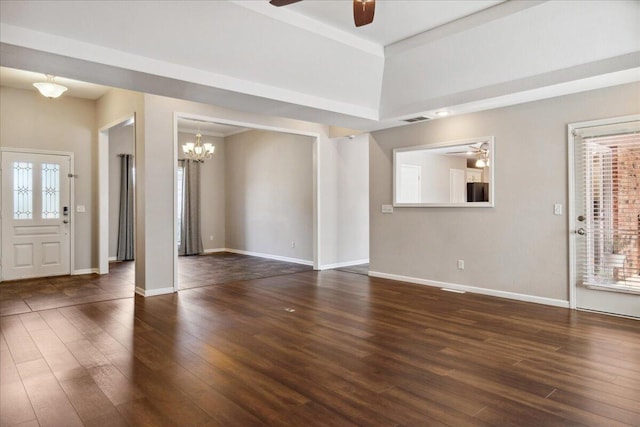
(581, 231)
(581, 218)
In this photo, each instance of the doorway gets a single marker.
(37, 225)
(115, 141)
(604, 169)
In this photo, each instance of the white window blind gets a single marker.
(608, 163)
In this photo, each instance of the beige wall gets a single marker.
(212, 191)
(29, 120)
(352, 204)
(519, 246)
(121, 141)
(269, 193)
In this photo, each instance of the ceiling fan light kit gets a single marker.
(363, 10)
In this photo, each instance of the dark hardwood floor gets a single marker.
(24, 296)
(318, 349)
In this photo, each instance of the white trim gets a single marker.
(154, 292)
(113, 258)
(176, 116)
(571, 128)
(344, 264)
(72, 200)
(268, 256)
(214, 250)
(84, 271)
(473, 289)
(103, 190)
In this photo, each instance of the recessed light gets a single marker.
(442, 113)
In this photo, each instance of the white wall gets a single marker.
(121, 141)
(435, 173)
(353, 199)
(269, 193)
(212, 191)
(29, 120)
(519, 246)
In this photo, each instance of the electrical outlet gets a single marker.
(211, 237)
(293, 243)
(460, 264)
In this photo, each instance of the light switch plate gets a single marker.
(387, 209)
(557, 209)
(80, 208)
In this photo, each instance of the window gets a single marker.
(50, 191)
(22, 190)
(613, 210)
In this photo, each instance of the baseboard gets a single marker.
(473, 289)
(154, 292)
(343, 264)
(268, 256)
(112, 258)
(85, 271)
(214, 250)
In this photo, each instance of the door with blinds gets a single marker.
(606, 223)
(35, 215)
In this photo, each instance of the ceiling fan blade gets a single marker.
(363, 11)
(279, 3)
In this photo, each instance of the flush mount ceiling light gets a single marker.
(49, 88)
(198, 151)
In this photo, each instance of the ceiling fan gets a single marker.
(363, 10)
(479, 152)
(476, 150)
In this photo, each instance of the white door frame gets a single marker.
(316, 179)
(572, 188)
(72, 248)
(103, 192)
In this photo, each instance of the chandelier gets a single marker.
(198, 151)
(49, 88)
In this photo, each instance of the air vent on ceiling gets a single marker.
(417, 119)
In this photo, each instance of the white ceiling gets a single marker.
(307, 61)
(394, 20)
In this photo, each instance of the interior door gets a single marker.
(607, 217)
(457, 186)
(35, 215)
(410, 184)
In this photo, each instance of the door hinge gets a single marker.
(70, 175)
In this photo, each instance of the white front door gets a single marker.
(35, 215)
(606, 222)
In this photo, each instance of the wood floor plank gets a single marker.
(15, 406)
(50, 403)
(355, 351)
(21, 346)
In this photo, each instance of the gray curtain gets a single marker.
(125, 226)
(190, 238)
